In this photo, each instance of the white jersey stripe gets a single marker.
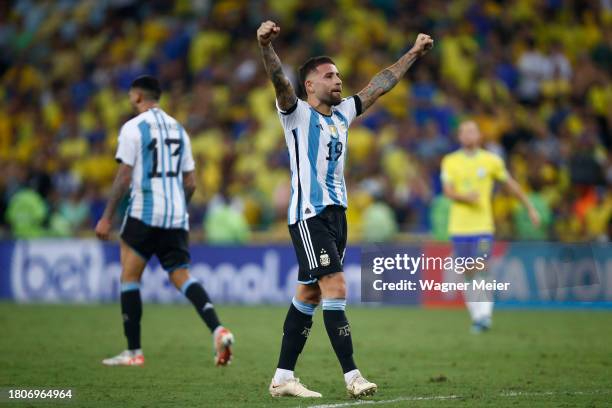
(170, 169)
(162, 152)
(296, 187)
(180, 176)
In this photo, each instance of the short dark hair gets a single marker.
(310, 66)
(149, 85)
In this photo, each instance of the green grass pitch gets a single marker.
(417, 357)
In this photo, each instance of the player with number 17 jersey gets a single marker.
(159, 150)
(156, 166)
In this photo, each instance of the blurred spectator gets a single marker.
(536, 78)
(440, 208)
(432, 144)
(534, 68)
(224, 223)
(75, 210)
(26, 214)
(525, 230)
(598, 217)
(379, 223)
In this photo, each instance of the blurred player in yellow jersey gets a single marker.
(468, 176)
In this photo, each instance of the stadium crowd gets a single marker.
(534, 74)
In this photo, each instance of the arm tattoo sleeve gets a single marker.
(285, 94)
(385, 80)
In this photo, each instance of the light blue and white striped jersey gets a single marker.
(317, 151)
(158, 149)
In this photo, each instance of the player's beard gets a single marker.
(334, 100)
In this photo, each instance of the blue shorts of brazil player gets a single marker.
(472, 246)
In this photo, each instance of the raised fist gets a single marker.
(422, 44)
(267, 31)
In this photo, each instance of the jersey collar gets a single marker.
(322, 114)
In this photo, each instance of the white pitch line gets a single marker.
(400, 399)
(543, 394)
(509, 394)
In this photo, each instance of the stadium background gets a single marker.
(535, 75)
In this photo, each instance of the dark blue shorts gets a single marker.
(472, 245)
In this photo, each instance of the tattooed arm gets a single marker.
(386, 79)
(285, 95)
(120, 187)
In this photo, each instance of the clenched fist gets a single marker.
(103, 229)
(422, 44)
(266, 32)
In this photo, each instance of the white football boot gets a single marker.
(292, 388)
(125, 358)
(360, 387)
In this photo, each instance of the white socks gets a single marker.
(480, 310)
(281, 375)
(472, 308)
(487, 308)
(348, 377)
(478, 304)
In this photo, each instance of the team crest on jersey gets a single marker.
(481, 172)
(324, 258)
(333, 130)
(342, 127)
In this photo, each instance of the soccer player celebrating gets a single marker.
(316, 131)
(468, 177)
(155, 159)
